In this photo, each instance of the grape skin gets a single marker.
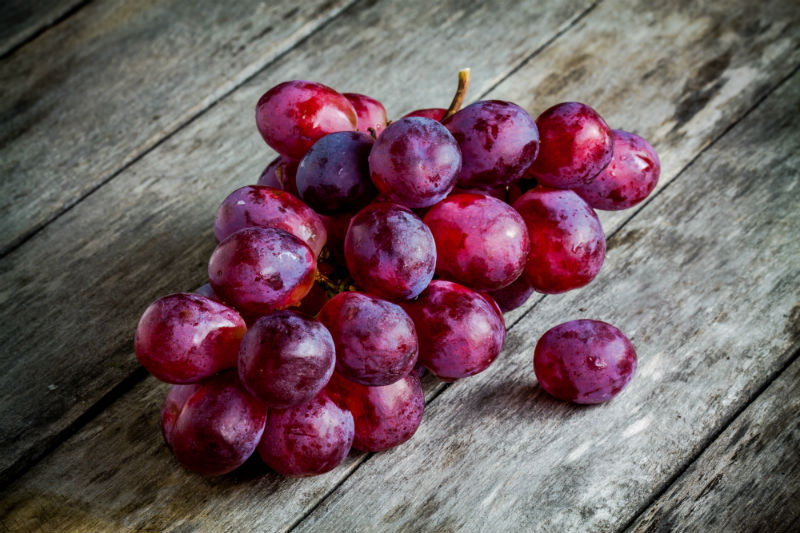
(371, 113)
(512, 296)
(433, 113)
(281, 174)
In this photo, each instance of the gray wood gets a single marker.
(82, 282)
(20, 20)
(705, 282)
(748, 479)
(110, 82)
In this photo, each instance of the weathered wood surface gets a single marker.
(748, 479)
(21, 20)
(125, 448)
(94, 93)
(147, 232)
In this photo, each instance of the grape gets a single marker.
(376, 343)
(460, 332)
(281, 174)
(481, 242)
(336, 226)
(567, 242)
(334, 174)
(384, 416)
(184, 338)
(433, 113)
(415, 162)
(513, 296)
(498, 142)
(501, 193)
(262, 269)
(584, 361)
(294, 114)
(314, 300)
(256, 205)
(207, 291)
(632, 174)
(218, 427)
(371, 113)
(576, 144)
(309, 439)
(286, 359)
(389, 251)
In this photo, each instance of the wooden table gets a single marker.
(124, 124)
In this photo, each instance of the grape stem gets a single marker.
(332, 286)
(461, 93)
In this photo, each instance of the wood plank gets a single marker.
(748, 479)
(21, 20)
(50, 488)
(106, 85)
(148, 231)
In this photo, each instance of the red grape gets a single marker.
(184, 338)
(218, 427)
(309, 439)
(262, 269)
(384, 416)
(576, 144)
(281, 174)
(460, 332)
(389, 251)
(376, 343)
(498, 142)
(481, 242)
(415, 162)
(256, 205)
(173, 405)
(513, 296)
(632, 174)
(286, 359)
(295, 114)
(567, 242)
(371, 113)
(433, 113)
(584, 361)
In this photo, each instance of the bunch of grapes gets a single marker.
(371, 250)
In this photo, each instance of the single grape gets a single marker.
(295, 114)
(513, 296)
(575, 145)
(262, 269)
(498, 142)
(281, 174)
(415, 162)
(389, 251)
(501, 193)
(173, 405)
(334, 174)
(308, 439)
(433, 113)
(256, 205)
(208, 291)
(218, 427)
(384, 416)
(313, 302)
(286, 358)
(460, 332)
(481, 242)
(631, 176)
(584, 361)
(184, 338)
(371, 113)
(376, 343)
(567, 242)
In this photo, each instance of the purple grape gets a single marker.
(262, 269)
(389, 251)
(309, 439)
(295, 114)
(281, 174)
(498, 142)
(584, 361)
(259, 206)
(286, 359)
(513, 296)
(218, 427)
(460, 332)
(371, 113)
(376, 343)
(481, 242)
(384, 416)
(415, 162)
(433, 113)
(631, 176)
(334, 174)
(185, 338)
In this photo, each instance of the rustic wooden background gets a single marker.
(124, 124)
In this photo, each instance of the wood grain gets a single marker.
(20, 20)
(704, 280)
(748, 479)
(86, 279)
(109, 83)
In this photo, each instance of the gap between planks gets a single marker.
(44, 25)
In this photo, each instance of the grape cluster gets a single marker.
(371, 250)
